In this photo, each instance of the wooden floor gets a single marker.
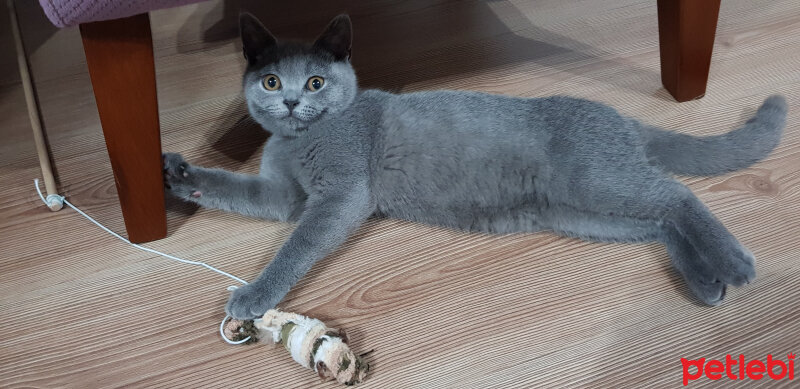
(440, 308)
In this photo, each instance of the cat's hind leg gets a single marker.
(700, 277)
(707, 255)
(274, 198)
(702, 249)
(731, 262)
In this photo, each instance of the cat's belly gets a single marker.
(602, 227)
(491, 194)
(532, 218)
(497, 220)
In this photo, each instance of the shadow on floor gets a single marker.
(418, 40)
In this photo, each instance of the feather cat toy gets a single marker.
(310, 342)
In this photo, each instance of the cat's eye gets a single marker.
(314, 83)
(272, 82)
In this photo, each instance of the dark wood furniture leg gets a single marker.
(686, 30)
(119, 54)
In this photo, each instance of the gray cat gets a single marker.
(465, 160)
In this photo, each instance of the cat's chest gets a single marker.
(313, 160)
(287, 154)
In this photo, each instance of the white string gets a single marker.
(205, 265)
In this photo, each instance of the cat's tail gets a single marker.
(712, 155)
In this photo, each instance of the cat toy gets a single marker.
(310, 342)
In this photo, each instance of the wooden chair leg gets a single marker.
(119, 54)
(686, 30)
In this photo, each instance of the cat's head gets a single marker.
(289, 85)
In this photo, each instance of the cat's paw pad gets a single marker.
(249, 302)
(178, 179)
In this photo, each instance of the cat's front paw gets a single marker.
(179, 179)
(250, 302)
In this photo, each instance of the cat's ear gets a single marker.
(255, 37)
(337, 38)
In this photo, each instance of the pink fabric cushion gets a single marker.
(65, 13)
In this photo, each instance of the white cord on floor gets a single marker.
(55, 197)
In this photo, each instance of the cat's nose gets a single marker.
(291, 104)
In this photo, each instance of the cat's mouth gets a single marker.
(304, 118)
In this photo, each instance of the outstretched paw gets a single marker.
(710, 285)
(710, 270)
(179, 179)
(736, 266)
(709, 292)
(250, 302)
(709, 281)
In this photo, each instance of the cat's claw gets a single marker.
(177, 178)
(249, 302)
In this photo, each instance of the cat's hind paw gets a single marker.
(711, 293)
(740, 268)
